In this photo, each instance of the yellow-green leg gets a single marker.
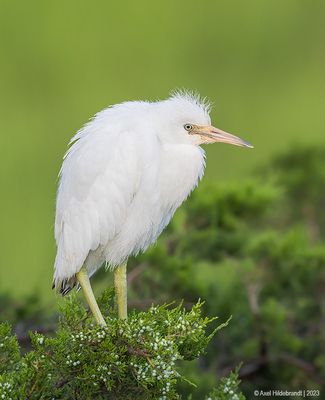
(120, 284)
(83, 279)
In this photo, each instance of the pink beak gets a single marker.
(217, 135)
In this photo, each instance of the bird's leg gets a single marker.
(120, 284)
(83, 279)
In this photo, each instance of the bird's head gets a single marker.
(185, 119)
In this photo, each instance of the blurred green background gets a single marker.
(261, 63)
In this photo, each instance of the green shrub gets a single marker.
(133, 359)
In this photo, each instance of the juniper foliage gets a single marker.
(134, 359)
(254, 250)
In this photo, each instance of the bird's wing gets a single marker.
(98, 180)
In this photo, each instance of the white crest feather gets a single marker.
(194, 98)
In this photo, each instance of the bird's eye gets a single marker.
(188, 127)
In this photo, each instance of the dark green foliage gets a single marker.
(227, 388)
(28, 309)
(134, 359)
(252, 252)
(301, 173)
(9, 350)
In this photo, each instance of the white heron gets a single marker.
(123, 177)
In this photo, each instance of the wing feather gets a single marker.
(98, 180)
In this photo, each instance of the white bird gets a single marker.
(123, 177)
